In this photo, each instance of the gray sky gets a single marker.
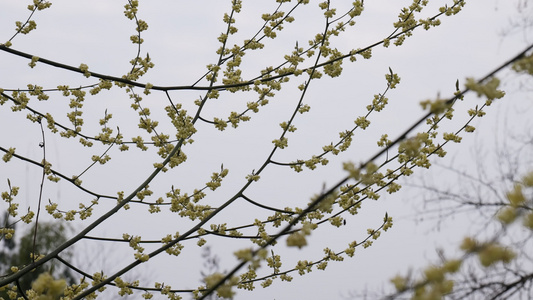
(181, 40)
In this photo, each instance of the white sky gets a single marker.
(181, 40)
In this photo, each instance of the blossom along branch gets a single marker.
(29, 24)
(323, 261)
(90, 227)
(84, 70)
(253, 42)
(221, 61)
(46, 166)
(378, 104)
(240, 116)
(211, 215)
(334, 188)
(246, 237)
(131, 13)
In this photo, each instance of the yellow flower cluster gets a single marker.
(124, 286)
(8, 155)
(435, 283)
(489, 89)
(33, 61)
(303, 266)
(39, 5)
(518, 204)
(9, 198)
(7, 233)
(297, 239)
(176, 248)
(392, 79)
(25, 28)
(216, 179)
(46, 288)
(131, 9)
(225, 290)
(362, 122)
(429, 22)
(103, 84)
(524, 65)
(85, 69)
(437, 106)
(454, 9)
(21, 100)
(185, 204)
(378, 103)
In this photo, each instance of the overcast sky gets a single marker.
(182, 40)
